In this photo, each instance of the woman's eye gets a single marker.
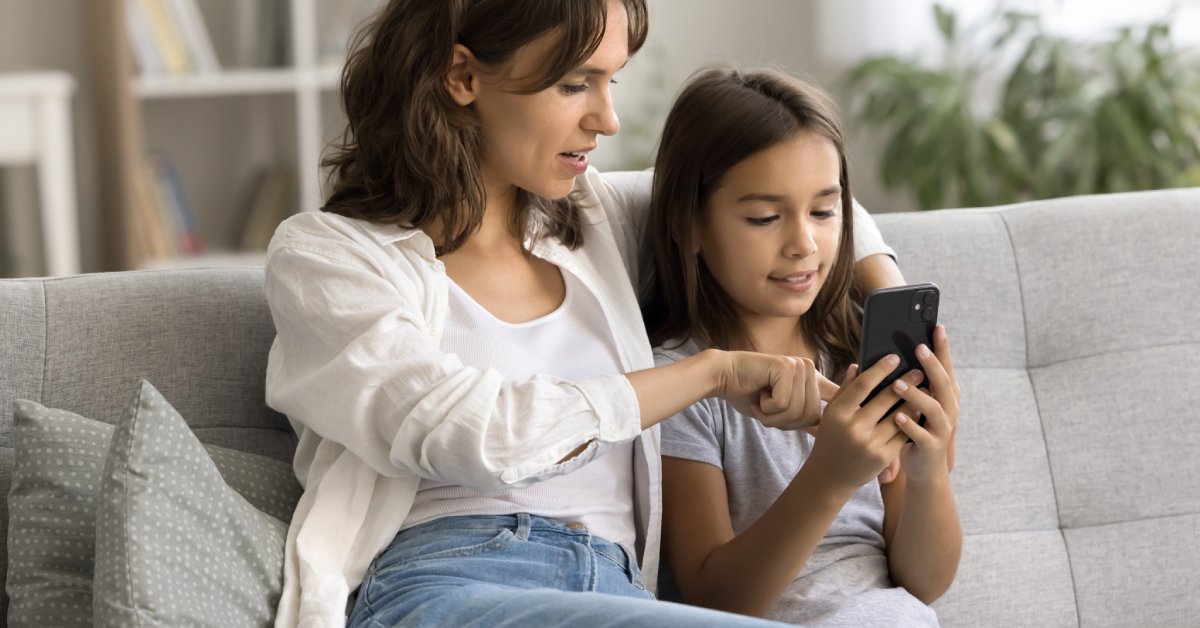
(824, 213)
(762, 222)
(573, 89)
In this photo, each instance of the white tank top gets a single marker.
(574, 343)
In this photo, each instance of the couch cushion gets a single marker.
(175, 544)
(1138, 573)
(22, 359)
(993, 589)
(201, 336)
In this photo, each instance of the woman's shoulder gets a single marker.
(620, 195)
(335, 235)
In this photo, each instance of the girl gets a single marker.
(459, 346)
(752, 227)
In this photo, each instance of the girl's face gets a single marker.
(770, 230)
(539, 142)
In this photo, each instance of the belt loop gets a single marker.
(523, 524)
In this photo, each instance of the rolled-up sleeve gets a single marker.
(354, 361)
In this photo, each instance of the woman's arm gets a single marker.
(876, 271)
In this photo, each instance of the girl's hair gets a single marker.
(722, 117)
(410, 154)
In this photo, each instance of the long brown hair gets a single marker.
(409, 154)
(722, 117)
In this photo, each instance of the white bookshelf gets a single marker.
(218, 127)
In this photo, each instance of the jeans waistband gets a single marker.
(521, 524)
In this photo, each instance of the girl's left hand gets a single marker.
(932, 451)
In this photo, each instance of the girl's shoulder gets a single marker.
(673, 351)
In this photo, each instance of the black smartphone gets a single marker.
(896, 320)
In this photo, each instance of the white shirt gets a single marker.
(574, 343)
(356, 366)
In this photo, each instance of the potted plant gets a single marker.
(1118, 114)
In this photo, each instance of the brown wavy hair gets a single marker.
(409, 154)
(723, 116)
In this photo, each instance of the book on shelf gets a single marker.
(169, 37)
(175, 208)
(263, 34)
(270, 203)
(163, 221)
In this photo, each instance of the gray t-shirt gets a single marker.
(846, 580)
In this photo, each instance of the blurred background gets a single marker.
(180, 132)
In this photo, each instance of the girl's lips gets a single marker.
(576, 166)
(796, 286)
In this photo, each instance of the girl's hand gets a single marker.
(931, 452)
(779, 391)
(855, 444)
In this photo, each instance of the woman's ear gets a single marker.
(462, 81)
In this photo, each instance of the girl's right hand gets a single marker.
(782, 392)
(855, 444)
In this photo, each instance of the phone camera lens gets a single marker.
(930, 298)
(927, 315)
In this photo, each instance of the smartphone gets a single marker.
(896, 320)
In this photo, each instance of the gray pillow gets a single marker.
(175, 545)
(59, 457)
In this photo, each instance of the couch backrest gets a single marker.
(82, 343)
(1075, 325)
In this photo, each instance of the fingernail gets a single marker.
(901, 386)
(892, 359)
(923, 351)
(917, 376)
(945, 334)
(901, 418)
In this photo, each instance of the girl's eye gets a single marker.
(762, 222)
(824, 213)
(573, 89)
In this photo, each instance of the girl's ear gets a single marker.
(462, 81)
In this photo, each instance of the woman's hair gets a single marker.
(410, 154)
(722, 117)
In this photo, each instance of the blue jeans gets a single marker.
(514, 570)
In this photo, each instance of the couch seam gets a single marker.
(1041, 422)
(45, 345)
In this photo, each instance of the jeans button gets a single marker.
(575, 525)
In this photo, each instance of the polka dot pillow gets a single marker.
(59, 458)
(175, 545)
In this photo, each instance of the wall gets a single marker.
(49, 35)
(813, 38)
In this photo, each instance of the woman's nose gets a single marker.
(602, 118)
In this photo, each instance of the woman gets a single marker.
(459, 344)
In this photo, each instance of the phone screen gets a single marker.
(897, 320)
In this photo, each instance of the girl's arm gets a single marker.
(747, 572)
(921, 526)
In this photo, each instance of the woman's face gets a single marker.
(539, 142)
(770, 230)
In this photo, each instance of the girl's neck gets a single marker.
(781, 336)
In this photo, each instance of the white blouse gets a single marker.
(359, 311)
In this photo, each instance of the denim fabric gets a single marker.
(514, 570)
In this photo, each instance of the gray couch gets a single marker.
(1075, 324)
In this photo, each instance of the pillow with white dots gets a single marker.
(175, 545)
(59, 457)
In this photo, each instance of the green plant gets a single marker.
(1072, 117)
